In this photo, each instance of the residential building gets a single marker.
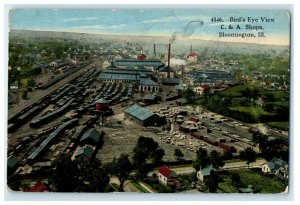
(203, 174)
(167, 177)
(277, 167)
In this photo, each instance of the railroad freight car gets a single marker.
(49, 140)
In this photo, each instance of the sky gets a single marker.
(173, 23)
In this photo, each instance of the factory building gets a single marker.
(138, 63)
(210, 76)
(144, 78)
(141, 115)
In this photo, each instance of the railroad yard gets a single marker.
(54, 124)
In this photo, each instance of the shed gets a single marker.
(141, 115)
(92, 136)
(83, 154)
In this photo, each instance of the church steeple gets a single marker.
(191, 49)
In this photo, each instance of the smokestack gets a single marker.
(154, 50)
(169, 55)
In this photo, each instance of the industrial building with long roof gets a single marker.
(141, 115)
(143, 77)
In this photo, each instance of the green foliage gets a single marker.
(69, 176)
(261, 140)
(274, 148)
(279, 125)
(236, 180)
(260, 183)
(122, 168)
(212, 181)
(188, 94)
(216, 159)
(94, 176)
(202, 159)
(248, 155)
(66, 176)
(147, 148)
(178, 154)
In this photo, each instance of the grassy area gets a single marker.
(226, 186)
(255, 111)
(260, 182)
(237, 90)
(278, 95)
(279, 125)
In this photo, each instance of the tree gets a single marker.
(216, 159)
(202, 159)
(248, 155)
(24, 95)
(178, 154)
(212, 181)
(96, 177)
(65, 177)
(236, 180)
(261, 140)
(158, 154)
(147, 148)
(122, 168)
(188, 94)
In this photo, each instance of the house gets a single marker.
(277, 167)
(201, 89)
(167, 177)
(83, 154)
(141, 56)
(192, 57)
(203, 174)
(38, 187)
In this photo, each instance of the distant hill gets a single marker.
(180, 46)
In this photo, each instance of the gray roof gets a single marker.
(92, 134)
(12, 161)
(102, 101)
(166, 69)
(139, 112)
(148, 82)
(171, 81)
(276, 163)
(150, 97)
(134, 62)
(206, 171)
(86, 151)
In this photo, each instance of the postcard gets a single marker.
(148, 100)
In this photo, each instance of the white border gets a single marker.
(145, 197)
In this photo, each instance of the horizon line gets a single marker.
(77, 32)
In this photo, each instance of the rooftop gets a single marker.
(139, 112)
(92, 134)
(85, 151)
(165, 171)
